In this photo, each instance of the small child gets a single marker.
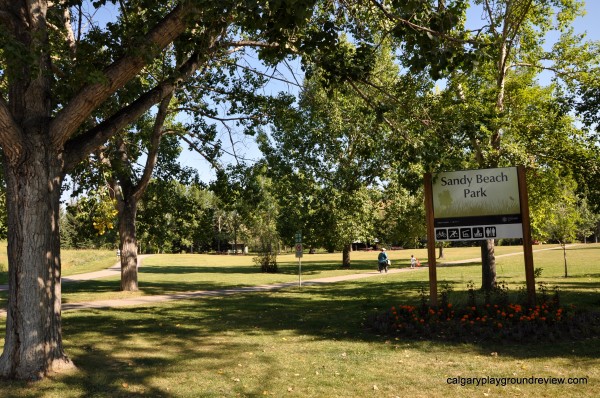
(413, 261)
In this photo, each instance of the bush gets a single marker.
(267, 261)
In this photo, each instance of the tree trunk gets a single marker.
(33, 345)
(564, 247)
(33, 170)
(128, 243)
(441, 251)
(488, 265)
(346, 256)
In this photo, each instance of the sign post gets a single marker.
(527, 244)
(430, 242)
(299, 251)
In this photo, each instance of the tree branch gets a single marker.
(70, 35)
(370, 103)
(152, 157)
(557, 71)
(269, 76)
(249, 43)
(78, 147)
(117, 75)
(386, 12)
(192, 145)
(11, 138)
(219, 119)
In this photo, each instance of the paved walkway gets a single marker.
(116, 270)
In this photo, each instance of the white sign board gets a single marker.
(476, 204)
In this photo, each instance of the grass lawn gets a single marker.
(72, 261)
(309, 341)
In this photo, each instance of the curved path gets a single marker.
(116, 269)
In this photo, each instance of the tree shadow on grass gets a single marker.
(182, 270)
(308, 267)
(146, 288)
(460, 264)
(122, 352)
(314, 268)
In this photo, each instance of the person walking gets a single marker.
(383, 260)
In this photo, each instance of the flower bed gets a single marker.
(547, 321)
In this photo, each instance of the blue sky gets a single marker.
(590, 24)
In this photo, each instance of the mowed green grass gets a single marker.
(309, 341)
(168, 274)
(72, 261)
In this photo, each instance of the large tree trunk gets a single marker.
(127, 234)
(33, 346)
(346, 256)
(33, 169)
(488, 265)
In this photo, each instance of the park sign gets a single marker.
(476, 204)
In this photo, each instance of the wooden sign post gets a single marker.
(430, 241)
(527, 243)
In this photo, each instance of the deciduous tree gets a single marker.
(52, 116)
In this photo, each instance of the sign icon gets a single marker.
(441, 234)
(478, 232)
(453, 233)
(490, 232)
(465, 233)
(298, 250)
